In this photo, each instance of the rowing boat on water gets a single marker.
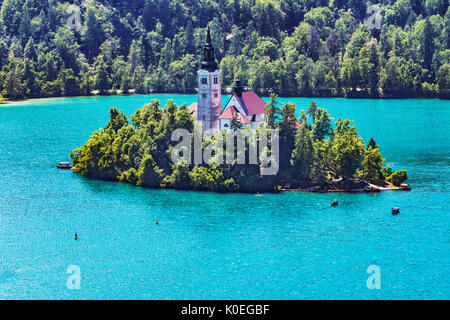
(64, 165)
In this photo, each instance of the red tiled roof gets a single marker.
(230, 112)
(251, 103)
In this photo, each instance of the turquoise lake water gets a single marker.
(215, 246)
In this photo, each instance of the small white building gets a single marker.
(248, 107)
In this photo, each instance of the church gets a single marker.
(246, 106)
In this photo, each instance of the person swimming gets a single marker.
(157, 222)
(76, 236)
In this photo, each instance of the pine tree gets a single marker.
(189, 39)
(3, 53)
(273, 111)
(101, 79)
(29, 78)
(320, 165)
(372, 165)
(138, 80)
(85, 82)
(24, 28)
(312, 111)
(347, 150)
(30, 51)
(288, 131)
(302, 155)
(13, 86)
(314, 44)
(93, 35)
(446, 31)
(125, 84)
(70, 85)
(372, 144)
(322, 125)
(427, 44)
(135, 56)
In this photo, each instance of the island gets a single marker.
(314, 154)
(268, 147)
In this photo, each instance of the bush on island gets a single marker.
(398, 177)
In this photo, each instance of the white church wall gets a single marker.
(225, 124)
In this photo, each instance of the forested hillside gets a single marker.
(292, 47)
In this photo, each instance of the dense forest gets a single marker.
(292, 47)
(314, 153)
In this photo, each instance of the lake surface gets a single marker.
(214, 246)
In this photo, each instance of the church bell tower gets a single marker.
(209, 90)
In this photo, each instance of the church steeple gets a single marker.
(238, 88)
(209, 102)
(209, 62)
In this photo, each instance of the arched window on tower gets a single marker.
(216, 80)
(204, 80)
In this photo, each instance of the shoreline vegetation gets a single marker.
(296, 48)
(228, 91)
(316, 154)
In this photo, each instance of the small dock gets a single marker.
(373, 189)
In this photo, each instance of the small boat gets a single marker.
(405, 187)
(64, 165)
(334, 203)
(395, 210)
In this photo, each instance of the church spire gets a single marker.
(208, 37)
(238, 88)
(209, 62)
